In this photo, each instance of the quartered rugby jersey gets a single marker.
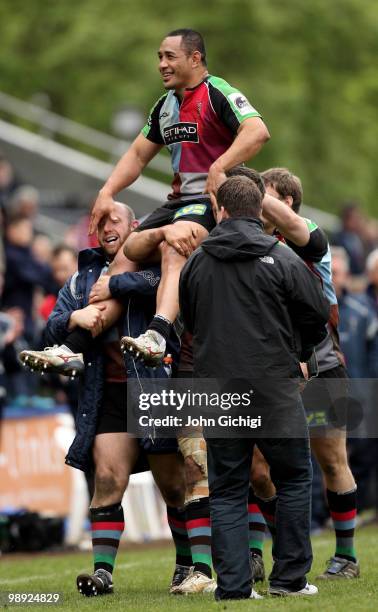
(197, 130)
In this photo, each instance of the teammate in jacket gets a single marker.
(101, 439)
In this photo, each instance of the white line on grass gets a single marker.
(70, 571)
(43, 576)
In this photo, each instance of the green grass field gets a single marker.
(142, 577)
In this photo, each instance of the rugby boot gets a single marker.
(181, 572)
(149, 347)
(99, 583)
(257, 567)
(57, 359)
(195, 582)
(337, 567)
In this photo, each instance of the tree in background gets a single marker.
(309, 66)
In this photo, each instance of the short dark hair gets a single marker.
(240, 197)
(63, 248)
(16, 218)
(191, 41)
(347, 209)
(286, 184)
(251, 174)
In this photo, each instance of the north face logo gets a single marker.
(267, 259)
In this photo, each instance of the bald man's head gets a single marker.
(114, 228)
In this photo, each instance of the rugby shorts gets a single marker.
(198, 210)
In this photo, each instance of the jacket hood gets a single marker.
(91, 256)
(238, 239)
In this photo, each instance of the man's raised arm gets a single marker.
(127, 170)
(289, 224)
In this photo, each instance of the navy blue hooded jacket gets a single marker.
(137, 291)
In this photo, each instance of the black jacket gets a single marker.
(23, 274)
(253, 306)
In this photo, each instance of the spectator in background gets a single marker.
(23, 201)
(8, 180)
(2, 254)
(63, 266)
(372, 274)
(63, 263)
(359, 343)
(358, 322)
(369, 234)
(23, 272)
(372, 453)
(349, 237)
(8, 334)
(42, 247)
(18, 381)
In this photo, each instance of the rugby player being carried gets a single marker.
(208, 127)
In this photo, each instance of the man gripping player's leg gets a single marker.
(101, 436)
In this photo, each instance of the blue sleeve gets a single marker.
(143, 282)
(56, 329)
(372, 343)
(29, 270)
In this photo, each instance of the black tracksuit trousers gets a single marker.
(229, 464)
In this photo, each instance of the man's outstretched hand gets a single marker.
(182, 237)
(104, 205)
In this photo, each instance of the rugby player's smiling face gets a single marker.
(113, 231)
(175, 67)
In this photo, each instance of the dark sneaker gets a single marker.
(181, 572)
(99, 583)
(58, 359)
(257, 567)
(309, 589)
(337, 567)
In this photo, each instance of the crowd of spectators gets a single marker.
(33, 268)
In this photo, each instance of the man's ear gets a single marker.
(196, 59)
(289, 200)
(134, 224)
(223, 213)
(213, 200)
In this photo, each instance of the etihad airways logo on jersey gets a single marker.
(184, 131)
